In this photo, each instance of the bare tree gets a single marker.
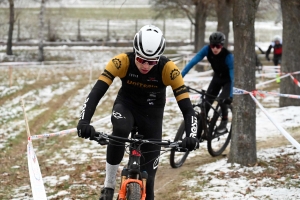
(224, 14)
(11, 27)
(290, 51)
(195, 10)
(243, 139)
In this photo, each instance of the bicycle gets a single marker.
(216, 142)
(133, 181)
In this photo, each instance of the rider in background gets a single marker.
(145, 73)
(221, 61)
(276, 45)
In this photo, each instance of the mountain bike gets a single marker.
(207, 125)
(133, 181)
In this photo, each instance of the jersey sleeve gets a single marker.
(171, 76)
(230, 63)
(116, 67)
(197, 58)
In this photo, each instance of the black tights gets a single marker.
(149, 123)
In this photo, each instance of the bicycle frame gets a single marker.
(132, 173)
(216, 142)
(202, 114)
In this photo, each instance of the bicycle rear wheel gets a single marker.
(133, 191)
(178, 158)
(217, 142)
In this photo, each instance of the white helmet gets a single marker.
(277, 38)
(149, 42)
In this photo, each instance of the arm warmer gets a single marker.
(91, 102)
(190, 118)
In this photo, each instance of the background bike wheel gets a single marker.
(217, 143)
(133, 191)
(178, 158)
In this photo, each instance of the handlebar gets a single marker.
(103, 139)
(204, 93)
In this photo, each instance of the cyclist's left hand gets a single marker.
(190, 143)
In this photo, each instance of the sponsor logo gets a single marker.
(82, 112)
(155, 163)
(141, 85)
(133, 75)
(174, 74)
(117, 63)
(237, 91)
(151, 99)
(118, 115)
(194, 127)
(152, 95)
(153, 79)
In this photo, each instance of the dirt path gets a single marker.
(168, 180)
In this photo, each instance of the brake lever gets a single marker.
(100, 139)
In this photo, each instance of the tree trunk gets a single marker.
(290, 51)
(223, 10)
(200, 19)
(11, 27)
(243, 139)
(41, 44)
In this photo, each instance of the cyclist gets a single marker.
(276, 45)
(221, 61)
(145, 73)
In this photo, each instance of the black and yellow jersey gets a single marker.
(144, 89)
(139, 91)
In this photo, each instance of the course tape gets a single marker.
(284, 133)
(238, 91)
(295, 80)
(36, 179)
(65, 132)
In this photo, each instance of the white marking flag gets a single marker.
(36, 179)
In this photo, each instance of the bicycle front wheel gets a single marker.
(133, 191)
(217, 142)
(178, 158)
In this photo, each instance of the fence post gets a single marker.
(191, 33)
(19, 29)
(78, 31)
(49, 30)
(107, 37)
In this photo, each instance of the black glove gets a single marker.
(190, 143)
(85, 130)
(227, 101)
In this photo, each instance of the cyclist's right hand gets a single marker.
(84, 130)
(190, 143)
(227, 100)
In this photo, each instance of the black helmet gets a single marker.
(217, 38)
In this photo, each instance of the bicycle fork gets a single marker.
(132, 174)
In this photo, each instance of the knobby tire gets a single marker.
(133, 191)
(213, 135)
(178, 158)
